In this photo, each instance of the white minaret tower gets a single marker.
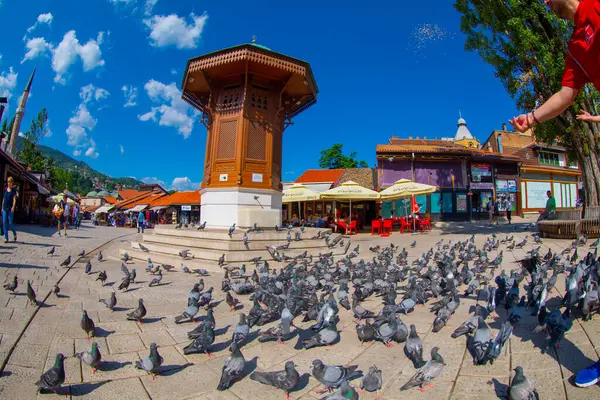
(19, 117)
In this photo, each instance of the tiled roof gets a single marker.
(127, 194)
(320, 176)
(178, 198)
(133, 201)
(110, 200)
(365, 177)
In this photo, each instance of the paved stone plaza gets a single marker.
(55, 328)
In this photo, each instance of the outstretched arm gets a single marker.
(555, 106)
(586, 116)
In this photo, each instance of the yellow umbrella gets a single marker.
(59, 197)
(298, 192)
(406, 188)
(350, 190)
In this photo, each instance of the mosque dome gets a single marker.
(462, 132)
(103, 193)
(92, 194)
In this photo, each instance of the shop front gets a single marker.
(535, 183)
(481, 189)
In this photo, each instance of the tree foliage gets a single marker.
(526, 44)
(334, 158)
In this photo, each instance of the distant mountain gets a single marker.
(81, 168)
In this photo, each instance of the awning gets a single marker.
(158, 208)
(317, 187)
(137, 208)
(104, 209)
(42, 190)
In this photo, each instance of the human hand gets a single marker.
(522, 123)
(585, 116)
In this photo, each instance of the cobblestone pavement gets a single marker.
(55, 328)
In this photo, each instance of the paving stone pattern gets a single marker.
(55, 328)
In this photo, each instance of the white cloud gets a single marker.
(21, 134)
(122, 149)
(175, 112)
(174, 30)
(174, 71)
(69, 49)
(80, 124)
(92, 153)
(76, 153)
(184, 183)
(130, 94)
(90, 92)
(154, 180)
(122, 1)
(35, 48)
(149, 6)
(41, 19)
(8, 81)
(48, 132)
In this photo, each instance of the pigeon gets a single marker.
(124, 269)
(102, 277)
(522, 388)
(91, 358)
(413, 348)
(66, 262)
(100, 257)
(231, 230)
(178, 226)
(233, 368)
(167, 267)
(209, 320)
(231, 301)
(470, 324)
(189, 313)
(325, 337)
(185, 269)
(52, 250)
(413, 244)
(202, 226)
(281, 331)
(56, 290)
(87, 325)
(221, 260)
(81, 254)
(126, 257)
(346, 392)
(285, 380)
(428, 372)
(54, 377)
(152, 363)
(386, 332)
(143, 248)
(31, 294)
(359, 311)
(138, 313)
(156, 281)
(202, 340)
(111, 302)
(480, 343)
(372, 381)
(200, 271)
(500, 341)
(88, 267)
(332, 376)
(240, 332)
(125, 283)
(12, 285)
(185, 253)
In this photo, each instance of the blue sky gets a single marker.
(109, 73)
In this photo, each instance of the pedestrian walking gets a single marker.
(9, 203)
(490, 209)
(581, 63)
(140, 222)
(508, 210)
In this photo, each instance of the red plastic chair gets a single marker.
(425, 224)
(342, 227)
(387, 226)
(352, 228)
(376, 225)
(404, 225)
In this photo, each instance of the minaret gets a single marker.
(19, 117)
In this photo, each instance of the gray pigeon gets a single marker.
(54, 377)
(87, 325)
(189, 313)
(202, 340)
(480, 343)
(387, 331)
(111, 302)
(324, 337)
(521, 387)
(372, 381)
(156, 281)
(431, 370)
(66, 262)
(240, 332)
(281, 331)
(346, 392)
(470, 324)
(332, 376)
(233, 368)
(100, 257)
(152, 363)
(139, 313)
(285, 380)
(413, 348)
(93, 358)
(88, 267)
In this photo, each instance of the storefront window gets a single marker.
(481, 173)
(547, 158)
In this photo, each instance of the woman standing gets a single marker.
(8, 209)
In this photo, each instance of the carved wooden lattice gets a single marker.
(259, 99)
(231, 100)
(257, 142)
(226, 143)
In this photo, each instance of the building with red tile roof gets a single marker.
(320, 176)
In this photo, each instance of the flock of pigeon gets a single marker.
(314, 289)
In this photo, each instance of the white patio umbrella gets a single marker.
(298, 192)
(406, 188)
(350, 190)
(59, 197)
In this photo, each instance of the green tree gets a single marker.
(334, 158)
(63, 179)
(526, 43)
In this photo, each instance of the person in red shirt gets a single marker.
(582, 62)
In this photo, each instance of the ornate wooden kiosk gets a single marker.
(248, 95)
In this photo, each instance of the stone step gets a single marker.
(140, 258)
(221, 234)
(184, 242)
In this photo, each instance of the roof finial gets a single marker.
(459, 113)
(253, 38)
